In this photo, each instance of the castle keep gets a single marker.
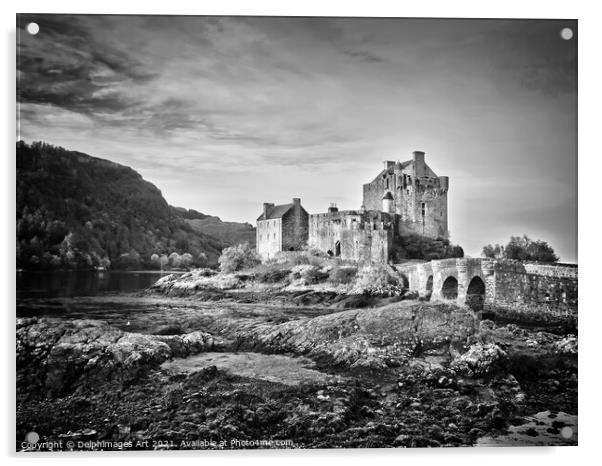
(414, 192)
(405, 198)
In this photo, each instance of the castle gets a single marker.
(405, 198)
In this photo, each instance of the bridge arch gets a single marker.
(475, 293)
(449, 289)
(404, 281)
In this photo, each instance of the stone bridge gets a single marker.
(488, 284)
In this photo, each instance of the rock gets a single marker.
(369, 338)
(568, 345)
(480, 360)
(170, 329)
(57, 357)
(402, 440)
(191, 343)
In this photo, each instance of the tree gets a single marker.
(163, 261)
(202, 259)
(81, 209)
(175, 260)
(186, 260)
(105, 262)
(493, 252)
(522, 249)
(128, 260)
(238, 257)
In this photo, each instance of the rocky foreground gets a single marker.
(232, 373)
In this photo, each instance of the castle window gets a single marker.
(423, 209)
(387, 183)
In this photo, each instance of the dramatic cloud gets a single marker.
(223, 114)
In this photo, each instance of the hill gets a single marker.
(230, 233)
(78, 211)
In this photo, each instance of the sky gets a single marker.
(225, 113)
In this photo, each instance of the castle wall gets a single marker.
(324, 231)
(295, 229)
(363, 237)
(423, 209)
(373, 194)
(535, 288)
(365, 245)
(269, 237)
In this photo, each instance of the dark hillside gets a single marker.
(78, 211)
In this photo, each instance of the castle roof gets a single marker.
(402, 166)
(277, 211)
(397, 166)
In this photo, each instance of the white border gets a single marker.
(590, 105)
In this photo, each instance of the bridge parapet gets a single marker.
(524, 287)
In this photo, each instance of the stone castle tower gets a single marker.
(413, 191)
(405, 198)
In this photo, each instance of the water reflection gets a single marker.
(67, 284)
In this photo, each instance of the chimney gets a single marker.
(389, 164)
(418, 164)
(333, 208)
(267, 207)
(296, 206)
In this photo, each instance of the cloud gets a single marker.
(365, 57)
(65, 66)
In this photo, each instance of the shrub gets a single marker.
(238, 257)
(272, 274)
(374, 276)
(342, 275)
(376, 279)
(290, 257)
(299, 258)
(314, 252)
(421, 247)
(205, 272)
(308, 274)
(313, 274)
